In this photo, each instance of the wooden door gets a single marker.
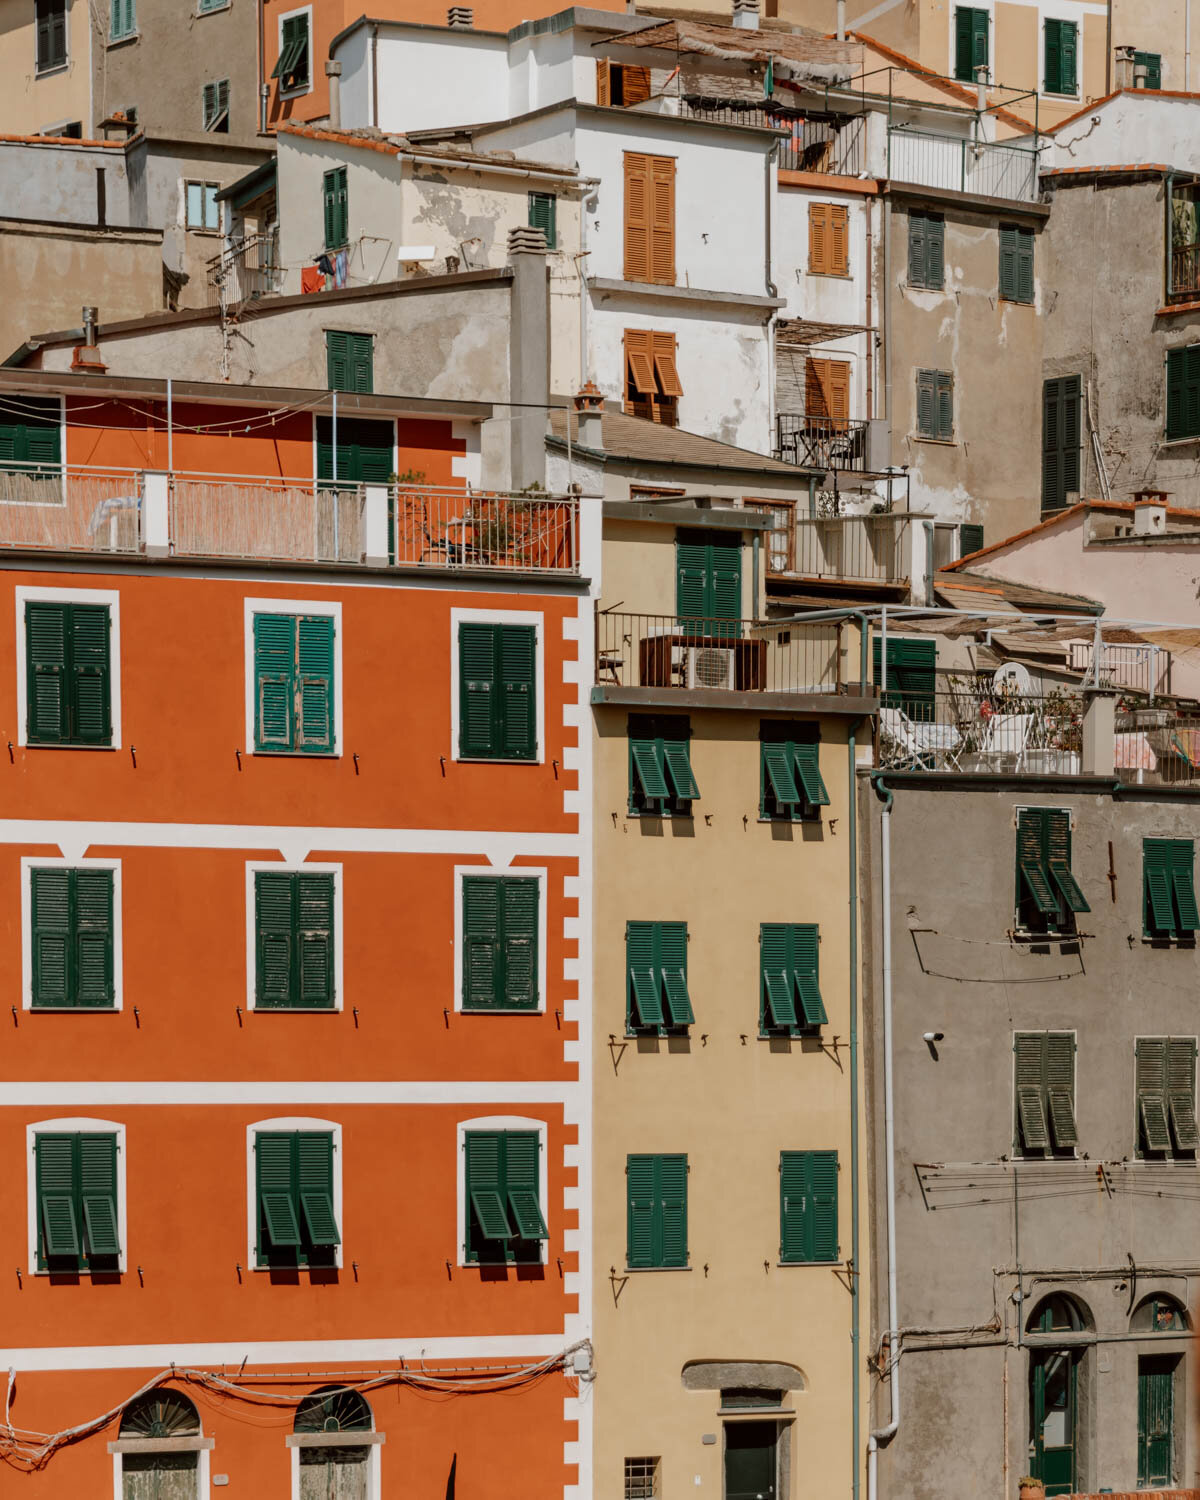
(334, 1473)
(160, 1476)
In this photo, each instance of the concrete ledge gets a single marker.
(333, 1439)
(795, 703)
(1009, 207)
(686, 514)
(162, 1445)
(683, 293)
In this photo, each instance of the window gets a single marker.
(656, 1212)
(155, 1422)
(1165, 1069)
(970, 539)
(292, 66)
(503, 1211)
(828, 239)
(333, 1428)
(1048, 895)
(826, 395)
(656, 987)
(1061, 51)
(76, 1190)
(68, 673)
(293, 684)
(652, 384)
(1061, 402)
(621, 84)
(911, 676)
(1044, 1078)
(349, 358)
(970, 42)
(1016, 263)
(935, 405)
(641, 1478)
(122, 19)
(1152, 62)
(661, 782)
(789, 995)
(31, 436)
(1183, 393)
(203, 210)
(366, 451)
(1169, 904)
(51, 25)
(71, 929)
(500, 942)
(216, 106)
(294, 958)
(708, 580)
(927, 249)
(205, 6)
(497, 666)
(649, 218)
(790, 786)
(297, 1224)
(543, 215)
(337, 209)
(808, 1217)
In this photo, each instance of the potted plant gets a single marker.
(1031, 1488)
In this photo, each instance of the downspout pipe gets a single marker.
(885, 1434)
(855, 1249)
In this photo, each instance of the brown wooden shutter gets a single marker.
(662, 222)
(816, 387)
(838, 388)
(663, 346)
(635, 84)
(637, 217)
(818, 238)
(639, 360)
(603, 91)
(839, 240)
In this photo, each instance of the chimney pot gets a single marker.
(589, 412)
(1150, 513)
(1123, 73)
(460, 17)
(526, 239)
(745, 15)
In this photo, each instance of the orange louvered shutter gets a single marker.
(818, 238)
(662, 222)
(663, 346)
(603, 91)
(637, 217)
(838, 393)
(635, 84)
(639, 361)
(816, 388)
(839, 240)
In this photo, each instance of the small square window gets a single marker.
(203, 210)
(641, 1478)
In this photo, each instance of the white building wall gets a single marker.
(58, 183)
(1134, 127)
(431, 78)
(355, 93)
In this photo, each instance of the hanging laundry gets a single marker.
(341, 265)
(325, 265)
(312, 279)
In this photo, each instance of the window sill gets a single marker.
(72, 1010)
(1055, 1159)
(667, 1034)
(807, 1033)
(654, 1270)
(756, 1413)
(831, 275)
(496, 760)
(294, 1010)
(786, 1264)
(920, 437)
(789, 822)
(1141, 1160)
(297, 754)
(916, 286)
(497, 1010)
(209, 234)
(64, 745)
(1180, 442)
(1016, 301)
(51, 70)
(297, 93)
(122, 41)
(1049, 94)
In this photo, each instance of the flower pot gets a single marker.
(1032, 1489)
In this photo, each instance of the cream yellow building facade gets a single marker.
(725, 1298)
(48, 79)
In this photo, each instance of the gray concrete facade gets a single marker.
(983, 1234)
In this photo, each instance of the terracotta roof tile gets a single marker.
(58, 140)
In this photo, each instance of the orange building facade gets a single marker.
(294, 1110)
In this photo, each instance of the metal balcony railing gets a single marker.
(831, 144)
(248, 269)
(845, 549)
(240, 517)
(674, 653)
(1185, 271)
(987, 169)
(820, 442)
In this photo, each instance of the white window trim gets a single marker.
(28, 864)
(300, 10)
(1053, 1155)
(111, 597)
(497, 1122)
(85, 1126)
(1139, 1157)
(279, 867)
(500, 617)
(203, 1490)
(374, 1465)
(324, 607)
(524, 872)
(290, 1122)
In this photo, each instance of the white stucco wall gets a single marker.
(428, 78)
(58, 183)
(354, 54)
(1134, 127)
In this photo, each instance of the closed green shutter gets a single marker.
(1183, 393)
(481, 942)
(911, 676)
(502, 1182)
(1152, 62)
(293, 675)
(1016, 263)
(500, 943)
(349, 361)
(59, 1227)
(52, 936)
(945, 406)
(1061, 410)
(123, 20)
(294, 930)
(1060, 62)
(314, 983)
(927, 403)
(708, 583)
(337, 209)
(275, 939)
(365, 451)
(31, 436)
(68, 677)
(93, 938)
(970, 42)
(808, 1221)
(1170, 895)
(314, 683)
(656, 1218)
(970, 539)
(90, 686)
(543, 215)
(497, 692)
(520, 908)
(72, 937)
(337, 364)
(926, 250)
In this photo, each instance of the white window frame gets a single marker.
(280, 867)
(110, 597)
(31, 862)
(290, 1123)
(952, 25)
(498, 1122)
(1049, 13)
(203, 1466)
(85, 1126)
(67, 60)
(286, 15)
(513, 872)
(537, 619)
(329, 609)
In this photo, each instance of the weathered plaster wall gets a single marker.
(57, 183)
(965, 1409)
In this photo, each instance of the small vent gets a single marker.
(460, 16)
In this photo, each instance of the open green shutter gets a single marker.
(778, 987)
(805, 938)
(275, 1171)
(275, 937)
(1060, 1088)
(314, 1182)
(1181, 1091)
(519, 898)
(477, 689)
(314, 676)
(1032, 862)
(93, 937)
(778, 764)
(522, 1181)
(672, 957)
(98, 1193)
(51, 937)
(90, 688)
(274, 681)
(648, 764)
(671, 1193)
(643, 981)
(517, 668)
(640, 1212)
(484, 1182)
(807, 758)
(314, 940)
(679, 770)
(58, 1224)
(481, 942)
(1159, 892)
(1151, 1083)
(1058, 850)
(1030, 1073)
(1183, 885)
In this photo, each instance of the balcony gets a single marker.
(242, 519)
(820, 442)
(247, 269)
(840, 549)
(1185, 273)
(985, 169)
(669, 654)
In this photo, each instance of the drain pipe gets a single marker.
(885, 1434)
(856, 1275)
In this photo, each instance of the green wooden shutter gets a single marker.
(1169, 890)
(1052, 81)
(274, 682)
(1024, 247)
(276, 1184)
(90, 690)
(671, 1193)
(314, 1190)
(1033, 870)
(945, 406)
(1061, 411)
(481, 942)
(1187, 916)
(823, 1185)
(1057, 824)
(98, 1194)
(362, 363)
(777, 1000)
(313, 713)
(808, 1229)
(1060, 1088)
(927, 404)
(275, 958)
(519, 899)
(68, 678)
(516, 733)
(970, 42)
(641, 1212)
(708, 583)
(51, 938)
(31, 435)
(1068, 45)
(1156, 1421)
(1152, 62)
(916, 248)
(498, 691)
(911, 676)
(777, 763)
(1181, 1091)
(646, 764)
(313, 941)
(365, 451)
(488, 1228)
(500, 942)
(678, 758)
(643, 984)
(1033, 1136)
(726, 581)
(805, 939)
(336, 208)
(1150, 1068)
(1008, 263)
(46, 672)
(970, 539)
(672, 960)
(93, 938)
(56, 1182)
(806, 757)
(337, 366)
(543, 215)
(926, 250)
(1183, 392)
(522, 1183)
(349, 361)
(477, 689)
(692, 597)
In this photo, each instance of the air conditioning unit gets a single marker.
(709, 667)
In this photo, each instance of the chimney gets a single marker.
(841, 20)
(1099, 723)
(333, 71)
(528, 356)
(745, 15)
(1123, 73)
(589, 410)
(461, 17)
(86, 356)
(981, 83)
(1141, 75)
(1150, 513)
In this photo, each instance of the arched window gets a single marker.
(153, 1471)
(332, 1462)
(1159, 1313)
(1054, 1380)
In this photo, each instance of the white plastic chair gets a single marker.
(1008, 734)
(1012, 677)
(922, 741)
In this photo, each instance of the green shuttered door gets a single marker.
(293, 915)
(708, 581)
(911, 676)
(500, 943)
(1156, 1420)
(808, 1228)
(293, 674)
(72, 937)
(497, 671)
(31, 436)
(68, 676)
(365, 451)
(656, 1213)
